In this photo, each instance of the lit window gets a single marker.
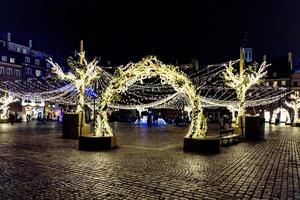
(12, 60)
(9, 71)
(18, 49)
(283, 83)
(27, 59)
(275, 84)
(28, 71)
(4, 58)
(1, 70)
(38, 73)
(37, 61)
(17, 72)
(24, 51)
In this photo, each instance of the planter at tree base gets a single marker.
(207, 145)
(252, 128)
(96, 143)
(296, 124)
(72, 126)
(4, 121)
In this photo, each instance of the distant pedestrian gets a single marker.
(11, 118)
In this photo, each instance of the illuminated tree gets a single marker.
(5, 101)
(243, 81)
(294, 103)
(81, 75)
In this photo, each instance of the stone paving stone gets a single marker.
(36, 163)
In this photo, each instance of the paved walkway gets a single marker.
(35, 163)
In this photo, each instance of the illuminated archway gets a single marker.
(283, 113)
(147, 68)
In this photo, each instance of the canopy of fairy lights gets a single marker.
(149, 90)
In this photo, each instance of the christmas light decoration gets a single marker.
(243, 81)
(148, 68)
(294, 104)
(282, 111)
(5, 101)
(81, 76)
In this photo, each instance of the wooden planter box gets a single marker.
(253, 128)
(72, 126)
(207, 145)
(96, 143)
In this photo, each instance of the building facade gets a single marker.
(21, 61)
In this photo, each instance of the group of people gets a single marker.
(225, 122)
(14, 117)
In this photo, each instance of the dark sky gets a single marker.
(210, 31)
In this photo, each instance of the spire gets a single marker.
(244, 42)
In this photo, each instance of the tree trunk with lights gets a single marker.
(198, 121)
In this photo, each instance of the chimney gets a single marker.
(8, 36)
(30, 43)
(290, 60)
(265, 58)
(195, 64)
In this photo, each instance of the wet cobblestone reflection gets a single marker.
(148, 164)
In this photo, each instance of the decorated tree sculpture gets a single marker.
(81, 76)
(243, 81)
(294, 104)
(4, 102)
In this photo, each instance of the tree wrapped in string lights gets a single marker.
(150, 67)
(294, 104)
(82, 74)
(243, 81)
(5, 101)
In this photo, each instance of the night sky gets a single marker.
(211, 31)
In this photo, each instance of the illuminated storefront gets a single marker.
(31, 109)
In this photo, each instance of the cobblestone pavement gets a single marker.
(35, 163)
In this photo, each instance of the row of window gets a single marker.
(23, 50)
(27, 60)
(275, 83)
(283, 83)
(9, 71)
(28, 71)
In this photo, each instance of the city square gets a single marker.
(36, 163)
(121, 100)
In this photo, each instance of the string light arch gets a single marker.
(150, 67)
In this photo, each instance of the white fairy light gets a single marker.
(5, 101)
(242, 82)
(150, 67)
(294, 104)
(81, 77)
